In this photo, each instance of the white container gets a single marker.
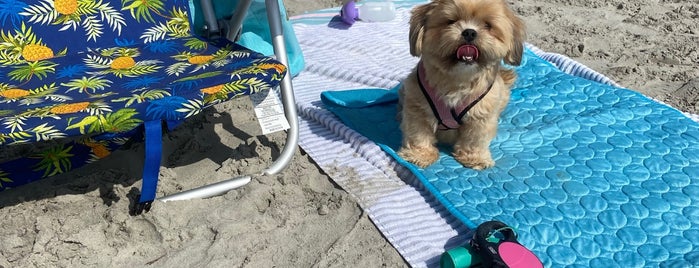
(377, 11)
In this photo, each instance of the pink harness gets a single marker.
(447, 118)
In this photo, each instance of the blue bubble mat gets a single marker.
(589, 175)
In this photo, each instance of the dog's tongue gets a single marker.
(467, 53)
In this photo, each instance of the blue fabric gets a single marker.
(590, 175)
(151, 168)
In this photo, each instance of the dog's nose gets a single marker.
(469, 34)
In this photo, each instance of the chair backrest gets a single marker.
(47, 28)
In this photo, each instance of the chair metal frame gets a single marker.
(274, 19)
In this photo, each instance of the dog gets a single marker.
(458, 90)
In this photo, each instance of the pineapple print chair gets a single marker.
(79, 78)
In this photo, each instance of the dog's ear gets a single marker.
(418, 19)
(514, 56)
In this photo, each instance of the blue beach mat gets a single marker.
(589, 174)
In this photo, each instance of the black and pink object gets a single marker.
(494, 244)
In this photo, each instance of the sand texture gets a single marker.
(300, 218)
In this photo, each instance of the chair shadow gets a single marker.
(219, 138)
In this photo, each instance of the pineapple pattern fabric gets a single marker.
(81, 76)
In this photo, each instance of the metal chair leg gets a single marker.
(236, 22)
(275, 22)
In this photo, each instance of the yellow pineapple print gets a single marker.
(200, 59)
(279, 67)
(36, 52)
(14, 93)
(212, 90)
(69, 108)
(122, 63)
(65, 7)
(98, 149)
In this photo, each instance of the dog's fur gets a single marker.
(435, 36)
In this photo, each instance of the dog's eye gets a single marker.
(488, 26)
(451, 22)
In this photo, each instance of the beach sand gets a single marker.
(300, 218)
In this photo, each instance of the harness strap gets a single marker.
(447, 118)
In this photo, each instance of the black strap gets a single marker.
(429, 100)
(468, 108)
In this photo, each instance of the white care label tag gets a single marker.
(269, 111)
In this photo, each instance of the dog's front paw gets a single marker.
(478, 159)
(421, 157)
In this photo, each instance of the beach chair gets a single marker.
(80, 78)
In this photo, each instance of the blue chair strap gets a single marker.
(151, 167)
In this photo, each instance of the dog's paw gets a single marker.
(477, 160)
(421, 157)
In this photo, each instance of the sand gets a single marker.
(300, 218)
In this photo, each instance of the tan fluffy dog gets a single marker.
(461, 44)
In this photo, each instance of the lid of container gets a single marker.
(349, 12)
